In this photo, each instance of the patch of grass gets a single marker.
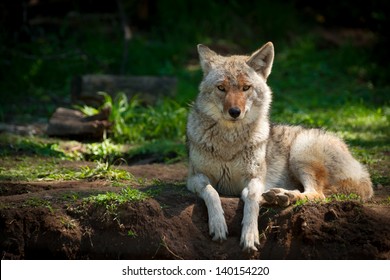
(384, 201)
(30, 169)
(62, 149)
(13, 144)
(134, 123)
(27, 168)
(111, 200)
(301, 202)
(127, 194)
(343, 197)
(333, 197)
(163, 150)
(103, 171)
(38, 202)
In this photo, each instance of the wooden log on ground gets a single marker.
(148, 88)
(74, 124)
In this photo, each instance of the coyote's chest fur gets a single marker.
(228, 156)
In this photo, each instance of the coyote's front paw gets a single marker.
(218, 227)
(279, 197)
(249, 238)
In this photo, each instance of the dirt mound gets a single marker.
(41, 221)
(51, 220)
(336, 230)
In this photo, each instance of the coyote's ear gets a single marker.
(262, 59)
(206, 57)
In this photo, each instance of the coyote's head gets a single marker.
(234, 88)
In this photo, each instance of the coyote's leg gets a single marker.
(200, 185)
(284, 198)
(250, 232)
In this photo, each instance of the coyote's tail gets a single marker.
(360, 186)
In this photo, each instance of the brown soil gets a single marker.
(47, 220)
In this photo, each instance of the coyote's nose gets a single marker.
(234, 112)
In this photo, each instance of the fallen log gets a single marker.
(74, 124)
(147, 88)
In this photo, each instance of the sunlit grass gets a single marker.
(329, 199)
(356, 123)
(41, 169)
(125, 195)
(112, 200)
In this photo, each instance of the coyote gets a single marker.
(235, 150)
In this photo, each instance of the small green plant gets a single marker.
(103, 151)
(71, 196)
(135, 123)
(301, 202)
(132, 234)
(68, 222)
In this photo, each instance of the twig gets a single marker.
(163, 243)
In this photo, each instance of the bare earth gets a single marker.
(173, 224)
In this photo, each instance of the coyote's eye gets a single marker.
(245, 88)
(221, 88)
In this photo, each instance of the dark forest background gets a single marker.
(44, 43)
